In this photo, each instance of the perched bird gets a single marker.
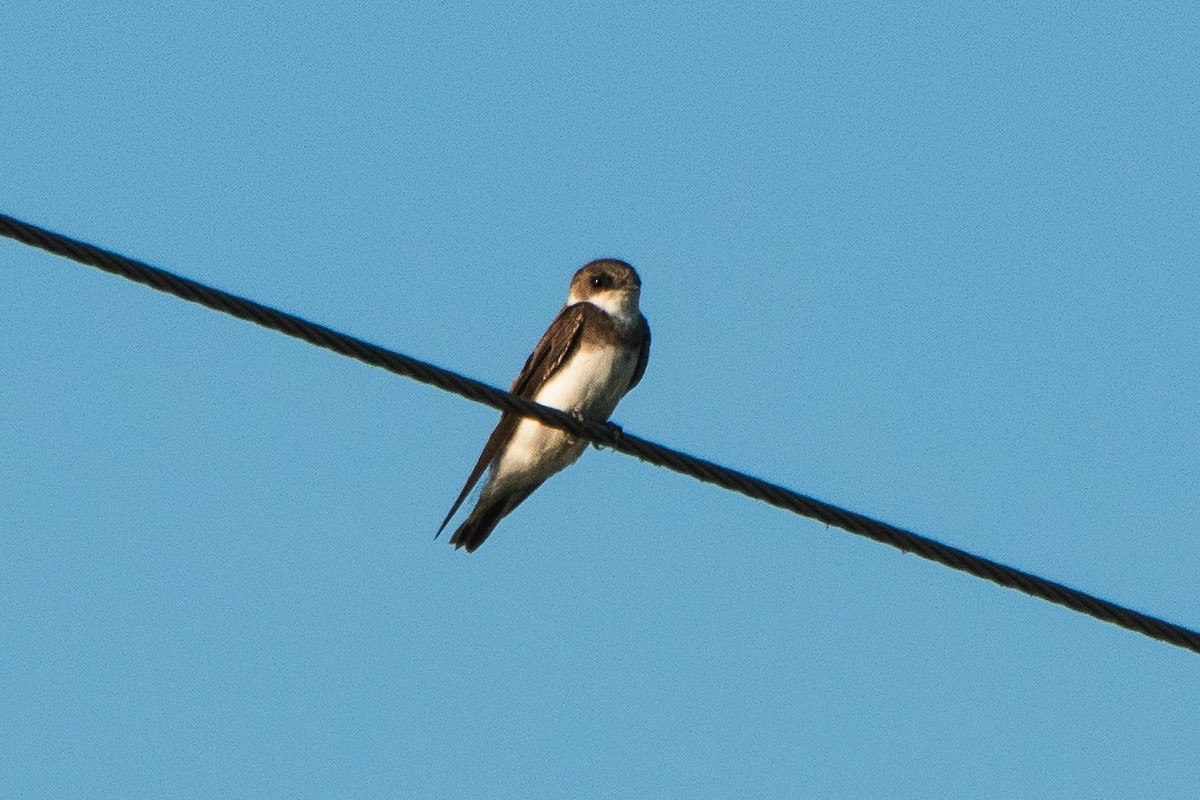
(594, 352)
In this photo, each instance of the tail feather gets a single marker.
(485, 516)
(479, 524)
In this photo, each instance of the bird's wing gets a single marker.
(643, 356)
(557, 344)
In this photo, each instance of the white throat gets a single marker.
(623, 306)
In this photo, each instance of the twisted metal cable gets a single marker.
(603, 435)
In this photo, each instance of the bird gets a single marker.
(592, 354)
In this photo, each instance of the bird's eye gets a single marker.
(601, 281)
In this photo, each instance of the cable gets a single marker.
(601, 434)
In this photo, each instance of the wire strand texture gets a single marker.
(603, 435)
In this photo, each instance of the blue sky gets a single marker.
(937, 264)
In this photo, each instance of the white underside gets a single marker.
(591, 383)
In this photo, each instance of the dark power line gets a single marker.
(604, 435)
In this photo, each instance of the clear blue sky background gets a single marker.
(938, 264)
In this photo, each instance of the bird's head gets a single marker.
(610, 284)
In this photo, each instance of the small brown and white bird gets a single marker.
(594, 352)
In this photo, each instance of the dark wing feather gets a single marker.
(643, 356)
(559, 340)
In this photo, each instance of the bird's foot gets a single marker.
(614, 430)
(580, 418)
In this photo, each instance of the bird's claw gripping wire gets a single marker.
(614, 430)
